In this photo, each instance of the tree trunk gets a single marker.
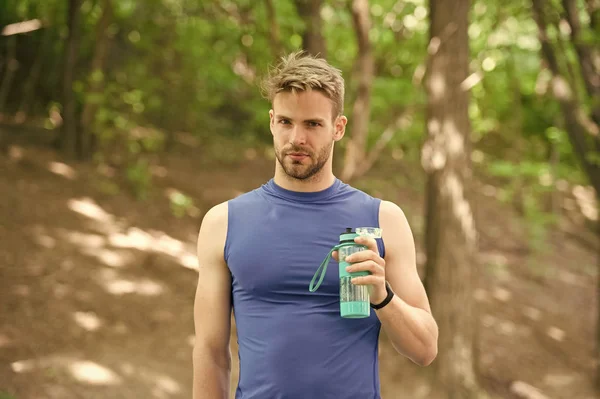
(34, 76)
(583, 137)
(70, 138)
(361, 113)
(96, 80)
(593, 9)
(583, 131)
(450, 228)
(274, 38)
(312, 39)
(9, 72)
(589, 72)
(598, 306)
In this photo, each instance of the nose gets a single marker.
(298, 136)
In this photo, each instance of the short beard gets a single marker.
(296, 170)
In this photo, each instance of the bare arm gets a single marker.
(212, 310)
(407, 319)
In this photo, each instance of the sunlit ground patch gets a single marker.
(502, 294)
(162, 385)
(87, 320)
(121, 286)
(108, 248)
(136, 238)
(83, 240)
(532, 313)
(109, 257)
(559, 380)
(87, 207)
(85, 371)
(556, 333)
(507, 327)
(62, 169)
(93, 373)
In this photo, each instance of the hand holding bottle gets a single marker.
(367, 261)
(361, 271)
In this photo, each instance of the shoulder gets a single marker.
(213, 229)
(389, 210)
(216, 216)
(396, 230)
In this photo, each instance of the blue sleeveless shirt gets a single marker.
(293, 344)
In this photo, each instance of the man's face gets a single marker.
(304, 132)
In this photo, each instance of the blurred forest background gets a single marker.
(123, 122)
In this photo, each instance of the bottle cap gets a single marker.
(373, 232)
(348, 235)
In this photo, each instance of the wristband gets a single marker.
(388, 298)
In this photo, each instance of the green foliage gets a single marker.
(140, 178)
(184, 65)
(181, 204)
(4, 395)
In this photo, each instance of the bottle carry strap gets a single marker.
(323, 267)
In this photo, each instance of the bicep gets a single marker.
(212, 304)
(400, 257)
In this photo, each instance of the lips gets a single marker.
(297, 156)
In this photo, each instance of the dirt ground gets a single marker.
(97, 289)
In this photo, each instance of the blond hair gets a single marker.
(300, 71)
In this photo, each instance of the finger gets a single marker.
(362, 256)
(367, 280)
(334, 255)
(367, 266)
(369, 242)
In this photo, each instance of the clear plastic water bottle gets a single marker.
(354, 299)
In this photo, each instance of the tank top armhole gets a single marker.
(226, 245)
(380, 242)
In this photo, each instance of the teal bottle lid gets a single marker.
(348, 235)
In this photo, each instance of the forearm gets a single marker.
(211, 375)
(412, 331)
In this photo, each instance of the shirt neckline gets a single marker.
(302, 196)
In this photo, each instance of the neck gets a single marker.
(319, 182)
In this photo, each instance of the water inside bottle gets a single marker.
(354, 299)
(345, 251)
(352, 293)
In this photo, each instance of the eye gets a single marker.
(314, 124)
(284, 121)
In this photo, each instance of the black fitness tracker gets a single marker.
(388, 298)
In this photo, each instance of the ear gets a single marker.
(271, 121)
(339, 127)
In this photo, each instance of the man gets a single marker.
(258, 253)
